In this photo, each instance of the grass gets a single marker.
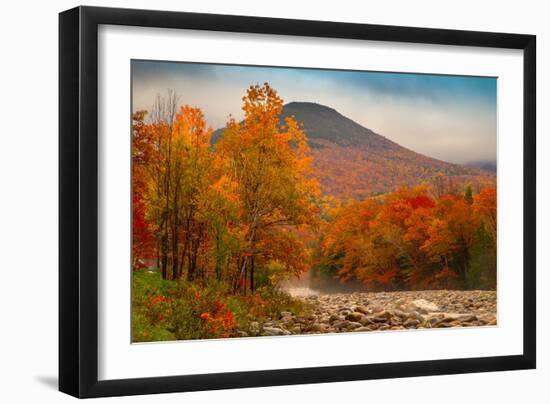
(167, 310)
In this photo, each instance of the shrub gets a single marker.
(201, 312)
(167, 310)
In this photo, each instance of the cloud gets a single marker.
(452, 118)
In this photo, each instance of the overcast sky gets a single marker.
(452, 118)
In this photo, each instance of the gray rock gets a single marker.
(254, 327)
(272, 331)
(424, 306)
(388, 311)
(400, 302)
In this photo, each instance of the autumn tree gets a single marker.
(407, 239)
(160, 174)
(178, 176)
(483, 257)
(270, 165)
(193, 176)
(142, 155)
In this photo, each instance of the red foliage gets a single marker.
(420, 201)
(159, 307)
(142, 238)
(219, 321)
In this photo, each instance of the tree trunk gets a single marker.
(190, 266)
(252, 274)
(158, 252)
(175, 238)
(182, 259)
(164, 259)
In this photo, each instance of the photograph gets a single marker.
(282, 201)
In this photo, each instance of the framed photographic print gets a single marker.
(251, 201)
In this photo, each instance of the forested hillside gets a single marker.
(351, 161)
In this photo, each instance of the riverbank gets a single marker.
(381, 311)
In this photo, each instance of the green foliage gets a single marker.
(325, 271)
(169, 310)
(481, 272)
(150, 312)
(278, 301)
(469, 195)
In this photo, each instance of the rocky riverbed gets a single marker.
(362, 312)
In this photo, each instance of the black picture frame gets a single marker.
(78, 201)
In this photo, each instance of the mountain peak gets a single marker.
(324, 124)
(309, 105)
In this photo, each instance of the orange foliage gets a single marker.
(485, 208)
(208, 211)
(406, 238)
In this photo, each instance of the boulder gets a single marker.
(424, 306)
(273, 331)
(254, 327)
